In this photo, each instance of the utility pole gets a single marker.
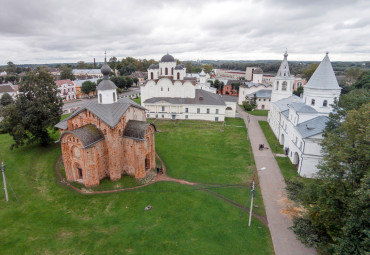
(250, 212)
(4, 181)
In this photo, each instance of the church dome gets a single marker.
(167, 58)
(105, 69)
(258, 71)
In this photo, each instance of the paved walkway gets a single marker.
(273, 191)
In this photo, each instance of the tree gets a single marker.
(352, 74)
(6, 99)
(136, 80)
(363, 81)
(66, 73)
(112, 62)
(129, 82)
(87, 87)
(338, 201)
(308, 72)
(11, 67)
(82, 65)
(250, 103)
(36, 109)
(299, 91)
(207, 68)
(120, 81)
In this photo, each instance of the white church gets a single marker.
(169, 94)
(299, 123)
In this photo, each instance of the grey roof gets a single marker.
(323, 77)
(88, 135)
(84, 71)
(62, 125)
(190, 78)
(302, 107)
(252, 84)
(180, 67)
(106, 85)
(283, 103)
(262, 93)
(201, 97)
(153, 66)
(258, 71)
(227, 98)
(312, 127)
(285, 113)
(79, 82)
(167, 58)
(108, 113)
(5, 88)
(136, 129)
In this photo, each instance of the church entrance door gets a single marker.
(147, 162)
(79, 171)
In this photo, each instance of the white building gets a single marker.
(66, 89)
(9, 88)
(299, 123)
(169, 94)
(93, 73)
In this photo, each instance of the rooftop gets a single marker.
(312, 127)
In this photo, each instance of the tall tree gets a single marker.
(87, 87)
(66, 73)
(337, 202)
(363, 81)
(6, 99)
(36, 109)
(11, 67)
(207, 68)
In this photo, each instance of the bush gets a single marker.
(305, 231)
(247, 106)
(294, 190)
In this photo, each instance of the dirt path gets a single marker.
(273, 192)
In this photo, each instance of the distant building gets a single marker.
(141, 76)
(66, 89)
(79, 93)
(299, 82)
(9, 88)
(169, 94)
(230, 89)
(83, 74)
(230, 74)
(299, 123)
(3, 74)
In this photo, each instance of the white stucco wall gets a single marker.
(319, 96)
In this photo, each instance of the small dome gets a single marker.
(167, 58)
(258, 71)
(179, 67)
(105, 69)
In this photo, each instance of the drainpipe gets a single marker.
(301, 161)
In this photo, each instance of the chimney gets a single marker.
(94, 63)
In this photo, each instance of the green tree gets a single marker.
(6, 99)
(66, 73)
(207, 68)
(298, 92)
(120, 81)
(363, 81)
(82, 65)
(308, 72)
(129, 82)
(352, 74)
(11, 67)
(87, 87)
(136, 80)
(338, 201)
(112, 62)
(36, 109)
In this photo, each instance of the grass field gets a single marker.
(137, 100)
(271, 138)
(53, 219)
(259, 112)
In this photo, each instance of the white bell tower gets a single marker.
(283, 84)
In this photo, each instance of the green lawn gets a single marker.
(271, 138)
(53, 219)
(259, 112)
(137, 100)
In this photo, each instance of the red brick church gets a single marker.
(107, 137)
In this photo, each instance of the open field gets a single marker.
(53, 219)
(259, 112)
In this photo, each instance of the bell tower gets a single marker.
(283, 84)
(107, 90)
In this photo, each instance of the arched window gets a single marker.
(166, 71)
(313, 102)
(178, 76)
(277, 85)
(172, 71)
(299, 84)
(72, 125)
(283, 87)
(100, 98)
(151, 76)
(325, 103)
(114, 96)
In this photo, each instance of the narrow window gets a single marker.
(186, 109)
(277, 85)
(198, 110)
(162, 115)
(161, 89)
(216, 111)
(151, 76)
(100, 98)
(208, 110)
(325, 103)
(216, 118)
(186, 116)
(178, 76)
(172, 71)
(162, 108)
(313, 102)
(166, 71)
(283, 87)
(114, 96)
(148, 115)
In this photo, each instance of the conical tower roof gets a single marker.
(106, 84)
(284, 67)
(323, 77)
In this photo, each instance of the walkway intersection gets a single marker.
(273, 192)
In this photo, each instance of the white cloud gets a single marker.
(68, 31)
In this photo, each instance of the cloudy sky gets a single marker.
(50, 31)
